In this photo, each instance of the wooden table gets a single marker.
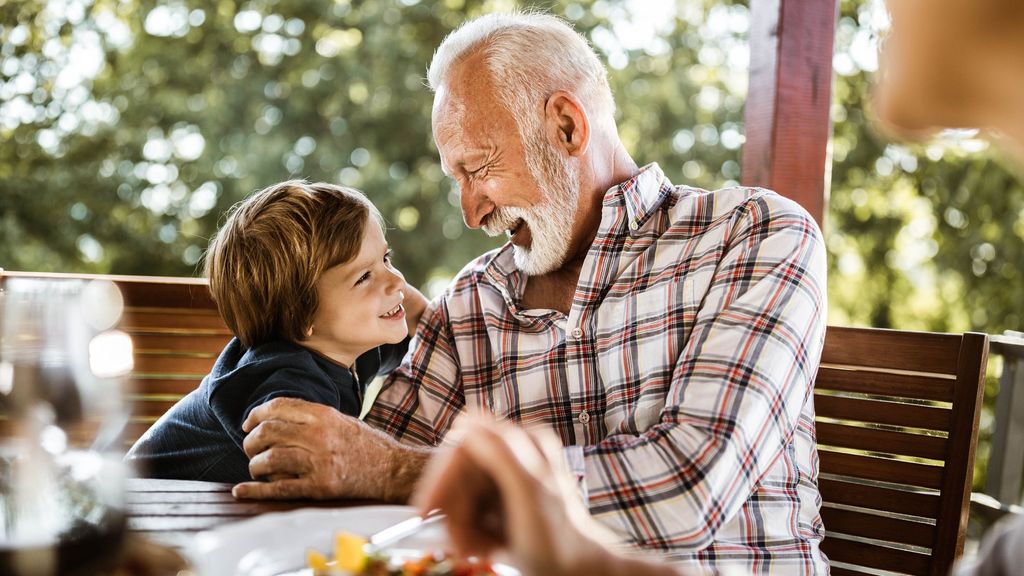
(172, 512)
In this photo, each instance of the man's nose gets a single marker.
(475, 206)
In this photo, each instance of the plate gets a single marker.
(275, 543)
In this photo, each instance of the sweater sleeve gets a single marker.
(232, 402)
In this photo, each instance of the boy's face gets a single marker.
(360, 303)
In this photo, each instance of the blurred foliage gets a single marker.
(130, 127)
(127, 127)
(920, 236)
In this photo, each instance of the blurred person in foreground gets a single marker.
(669, 335)
(960, 64)
(945, 64)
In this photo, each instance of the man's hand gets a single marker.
(309, 450)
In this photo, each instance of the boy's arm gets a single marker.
(415, 303)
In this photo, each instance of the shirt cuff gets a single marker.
(578, 468)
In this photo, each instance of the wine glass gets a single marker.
(62, 408)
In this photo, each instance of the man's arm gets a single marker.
(314, 451)
(311, 451)
(420, 399)
(737, 390)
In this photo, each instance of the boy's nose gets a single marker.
(397, 280)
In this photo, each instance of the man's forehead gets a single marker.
(448, 107)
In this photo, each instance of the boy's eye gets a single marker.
(388, 255)
(363, 278)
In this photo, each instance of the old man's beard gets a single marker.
(551, 220)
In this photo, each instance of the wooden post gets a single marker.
(787, 122)
(1006, 456)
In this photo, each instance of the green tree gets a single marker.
(131, 126)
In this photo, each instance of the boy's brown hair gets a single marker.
(264, 262)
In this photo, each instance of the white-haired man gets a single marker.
(668, 335)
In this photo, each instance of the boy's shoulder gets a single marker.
(261, 362)
(245, 377)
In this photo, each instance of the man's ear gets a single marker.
(567, 123)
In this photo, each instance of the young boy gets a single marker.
(302, 276)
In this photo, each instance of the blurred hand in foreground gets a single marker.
(505, 489)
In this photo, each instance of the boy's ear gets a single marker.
(309, 332)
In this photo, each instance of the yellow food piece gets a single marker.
(348, 552)
(316, 561)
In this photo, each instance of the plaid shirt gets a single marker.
(682, 376)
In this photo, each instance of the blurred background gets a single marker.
(128, 127)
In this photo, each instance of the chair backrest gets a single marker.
(897, 424)
(177, 334)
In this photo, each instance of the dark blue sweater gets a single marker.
(200, 437)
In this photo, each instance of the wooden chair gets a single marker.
(897, 424)
(177, 334)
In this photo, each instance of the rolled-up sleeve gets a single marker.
(420, 399)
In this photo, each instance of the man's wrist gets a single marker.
(403, 468)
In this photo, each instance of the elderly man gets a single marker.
(669, 335)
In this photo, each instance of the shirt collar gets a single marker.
(642, 195)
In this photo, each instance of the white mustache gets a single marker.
(503, 219)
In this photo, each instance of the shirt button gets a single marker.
(577, 333)
(633, 224)
(584, 417)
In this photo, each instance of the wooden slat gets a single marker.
(188, 488)
(179, 386)
(873, 439)
(169, 320)
(167, 364)
(872, 556)
(884, 384)
(883, 412)
(892, 349)
(207, 343)
(151, 408)
(853, 523)
(163, 291)
(137, 427)
(237, 508)
(179, 523)
(191, 293)
(879, 498)
(882, 469)
(198, 497)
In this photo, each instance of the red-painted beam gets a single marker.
(787, 122)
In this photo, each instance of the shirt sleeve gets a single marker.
(231, 404)
(420, 399)
(737, 389)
